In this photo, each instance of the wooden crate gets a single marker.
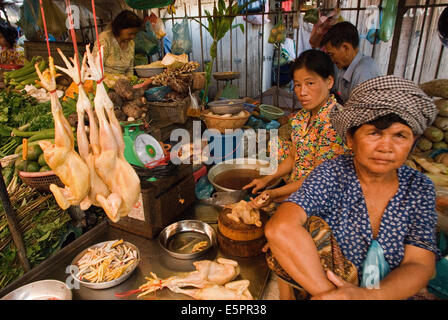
(39, 48)
(161, 203)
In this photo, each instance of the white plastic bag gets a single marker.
(157, 26)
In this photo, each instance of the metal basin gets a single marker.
(41, 290)
(237, 164)
(178, 238)
(107, 284)
(231, 106)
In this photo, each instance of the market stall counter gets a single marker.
(152, 259)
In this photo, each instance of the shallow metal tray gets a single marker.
(41, 290)
(231, 106)
(184, 226)
(107, 284)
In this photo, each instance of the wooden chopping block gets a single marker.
(240, 231)
(245, 249)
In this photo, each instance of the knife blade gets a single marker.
(222, 198)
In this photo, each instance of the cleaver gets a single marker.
(222, 198)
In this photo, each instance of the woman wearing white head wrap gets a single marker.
(368, 209)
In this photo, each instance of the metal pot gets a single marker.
(236, 164)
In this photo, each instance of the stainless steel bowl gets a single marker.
(231, 106)
(232, 164)
(107, 284)
(187, 226)
(41, 290)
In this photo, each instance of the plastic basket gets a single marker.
(40, 180)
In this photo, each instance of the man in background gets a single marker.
(341, 42)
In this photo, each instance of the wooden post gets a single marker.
(12, 223)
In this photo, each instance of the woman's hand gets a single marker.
(258, 184)
(264, 199)
(344, 290)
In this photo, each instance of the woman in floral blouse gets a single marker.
(118, 44)
(313, 138)
(10, 52)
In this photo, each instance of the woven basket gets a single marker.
(175, 112)
(40, 180)
(198, 80)
(217, 122)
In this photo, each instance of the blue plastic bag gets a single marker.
(181, 38)
(146, 41)
(203, 188)
(157, 93)
(375, 266)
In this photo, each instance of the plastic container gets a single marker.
(271, 112)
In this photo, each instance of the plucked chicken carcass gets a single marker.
(110, 164)
(61, 156)
(263, 202)
(235, 290)
(207, 273)
(243, 211)
(88, 150)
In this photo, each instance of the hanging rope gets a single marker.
(73, 36)
(45, 27)
(97, 39)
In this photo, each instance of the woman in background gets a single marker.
(10, 52)
(118, 44)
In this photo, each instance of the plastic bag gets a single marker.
(146, 41)
(29, 15)
(181, 38)
(194, 110)
(287, 53)
(157, 93)
(323, 25)
(157, 26)
(375, 267)
(388, 23)
(257, 19)
(278, 33)
(203, 188)
(253, 7)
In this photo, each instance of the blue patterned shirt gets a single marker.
(333, 192)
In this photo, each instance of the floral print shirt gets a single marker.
(14, 55)
(314, 143)
(333, 192)
(116, 60)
